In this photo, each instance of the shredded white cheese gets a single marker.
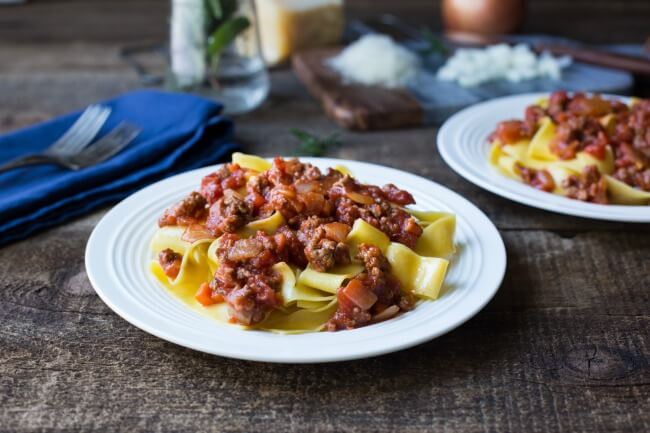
(471, 67)
(376, 60)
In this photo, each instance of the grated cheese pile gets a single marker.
(376, 60)
(471, 67)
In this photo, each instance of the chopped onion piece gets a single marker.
(359, 198)
(386, 314)
(245, 249)
(196, 232)
(336, 231)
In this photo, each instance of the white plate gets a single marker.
(118, 252)
(462, 142)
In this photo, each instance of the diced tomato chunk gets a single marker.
(596, 150)
(204, 295)
(359, 294)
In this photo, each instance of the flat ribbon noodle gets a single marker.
(622, 193)
(423, 276)
(299, 321)
(364, 233)
(437, 239)
(328, 281)
(194, 269)
(251, 162)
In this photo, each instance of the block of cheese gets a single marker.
(287, 26)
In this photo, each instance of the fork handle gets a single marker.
(32, 159)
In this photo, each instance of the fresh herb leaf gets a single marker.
(214, 6)
(225, 34)
(435, 44)
(221, 9)
(312, 145)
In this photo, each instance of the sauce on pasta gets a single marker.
(581, 146)
(285, 246)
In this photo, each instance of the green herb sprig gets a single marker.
(435, 45)
(226, 27)
(313, 145)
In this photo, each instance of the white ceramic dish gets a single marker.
(462, 142)
(118, 252)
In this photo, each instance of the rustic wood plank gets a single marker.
(353, 106)
(572, 356)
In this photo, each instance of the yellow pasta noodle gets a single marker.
(194, 270)
(539, 147)
(622, 193)
(437, 239)
(421, 275)
(364, 233)
(251, 162)
(299, 321)
(268, 225)
(328, 281)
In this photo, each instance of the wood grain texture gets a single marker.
(563, 347)
(357, 107)
(565, 357)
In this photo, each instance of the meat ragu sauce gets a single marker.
(589, 124)
(319, 210)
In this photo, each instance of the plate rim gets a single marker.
(540, 200)
(98, 235)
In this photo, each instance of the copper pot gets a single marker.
(486, 17)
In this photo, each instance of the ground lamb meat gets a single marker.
(589, 186)
(324, 242)
(575, 133)
(257, 188)
(250, 303)
(384, 285)
(244, 277)
(373, 207)
(170, 261)
(540, 179)
(634, 176)
(229, 176)
(289, 241)
(283, 199)
(369, 294)
(228, 214)
(190, 210)
(288, 171)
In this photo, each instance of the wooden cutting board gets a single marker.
(429, 101)
(355, 106)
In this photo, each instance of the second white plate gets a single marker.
(462, 143)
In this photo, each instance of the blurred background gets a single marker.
(127, 21)
(67, 53)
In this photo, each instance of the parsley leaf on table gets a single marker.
(312, 145)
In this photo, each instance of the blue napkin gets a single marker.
(179, 132)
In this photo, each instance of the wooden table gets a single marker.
(563, 347)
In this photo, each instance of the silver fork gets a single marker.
(82, 132)
(102, 149)
(73, 141)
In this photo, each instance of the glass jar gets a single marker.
(215, 52)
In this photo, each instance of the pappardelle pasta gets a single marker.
(285, 247)
(582, 147)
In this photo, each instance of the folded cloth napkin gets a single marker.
(179, 132)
